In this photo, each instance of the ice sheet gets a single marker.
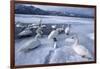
(45, 53)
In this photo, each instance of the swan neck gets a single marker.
(76, 42)
(36, 37)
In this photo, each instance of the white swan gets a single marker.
(67, 29)
(55, 32)
(53, 35)
(61, 29)
(39, 32)
(31, 44)
(27, 31)
(80, 49)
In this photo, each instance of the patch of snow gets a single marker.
(91, 36)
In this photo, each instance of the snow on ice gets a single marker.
(45, 53)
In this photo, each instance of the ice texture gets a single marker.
(45, 53)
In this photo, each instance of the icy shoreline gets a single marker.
(45, 53)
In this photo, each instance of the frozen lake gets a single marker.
(82, 26)
(51, 19)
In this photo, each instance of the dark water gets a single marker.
(81, 28)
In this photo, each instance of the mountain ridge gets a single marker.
(23, 9)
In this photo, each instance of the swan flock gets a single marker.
(79, 49)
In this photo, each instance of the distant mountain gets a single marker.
(24, 9)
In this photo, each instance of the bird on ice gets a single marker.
(33, 43)
(53, 35)
(80, 49)
(25, 32)
(61, 29)
(67, 29)
(39, 32)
